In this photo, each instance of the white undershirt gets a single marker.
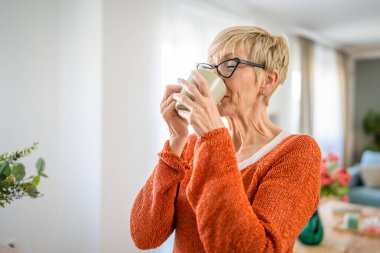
(264, 150)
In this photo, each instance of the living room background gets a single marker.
(85, 79)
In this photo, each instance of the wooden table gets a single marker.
(336, 241)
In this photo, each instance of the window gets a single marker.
(328, 112)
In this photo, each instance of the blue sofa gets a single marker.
(358, 192)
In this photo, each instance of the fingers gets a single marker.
(186, 101)
(170, 89)
(196, 94)
(168, 95)
(203, 84)
(191, 89)
(168, 102)
(170, 109)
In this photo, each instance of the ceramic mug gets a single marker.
(217, 86)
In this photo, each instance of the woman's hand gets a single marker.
(203, 114)
(178, 127)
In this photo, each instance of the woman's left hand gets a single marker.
(203, 114)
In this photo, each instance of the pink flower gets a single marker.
(342, 176)
(326, 179)
(332, 157)
(345, 198)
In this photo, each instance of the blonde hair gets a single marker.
(260, 46)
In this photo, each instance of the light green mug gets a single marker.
(217, 86)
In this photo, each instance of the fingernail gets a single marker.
(175, 96)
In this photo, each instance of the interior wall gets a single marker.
(80, 54)
(29, 109)
(131, 81)
(50, 88)
(367, 90)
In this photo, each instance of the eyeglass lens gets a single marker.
(225, 68)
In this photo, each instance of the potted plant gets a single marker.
(13, 184)
(371, 126)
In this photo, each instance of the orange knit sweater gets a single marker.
(214, 207)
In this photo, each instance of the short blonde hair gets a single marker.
(260, 46)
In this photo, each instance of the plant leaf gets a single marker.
(36, 180)
(18, 171)
(31, 190)
(40, 165)
(3, 165)
(42, 174)
(7, 171)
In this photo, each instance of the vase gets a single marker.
(312, 234)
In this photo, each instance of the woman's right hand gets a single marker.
(178, 126)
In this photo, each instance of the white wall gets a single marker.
(80, 57)
(131, 79)
(29, 106)
(50, 86)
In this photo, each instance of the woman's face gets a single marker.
(243, 89)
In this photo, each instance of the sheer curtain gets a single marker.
(328, 106)
(347, 105)
(307, 80)
(324, 97)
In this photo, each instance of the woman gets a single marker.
(249, 188)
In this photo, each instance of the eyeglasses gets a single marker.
(227, 68)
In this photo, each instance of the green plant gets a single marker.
(13, 184)
(371, 125)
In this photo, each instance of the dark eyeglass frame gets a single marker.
(236, 60)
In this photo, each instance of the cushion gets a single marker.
(371, 175)
(365, 196)
(356, 179)
(370, 158)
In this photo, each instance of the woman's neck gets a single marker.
(251, 132)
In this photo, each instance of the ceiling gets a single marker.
(349, 24)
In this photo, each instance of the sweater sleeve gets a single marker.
(152, 215)
(286, 197)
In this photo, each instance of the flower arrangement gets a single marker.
(334, 179)
(13, 184)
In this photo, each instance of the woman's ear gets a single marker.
(270, 81)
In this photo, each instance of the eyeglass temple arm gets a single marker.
(253, 64)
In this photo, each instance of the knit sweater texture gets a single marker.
(215, 207)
